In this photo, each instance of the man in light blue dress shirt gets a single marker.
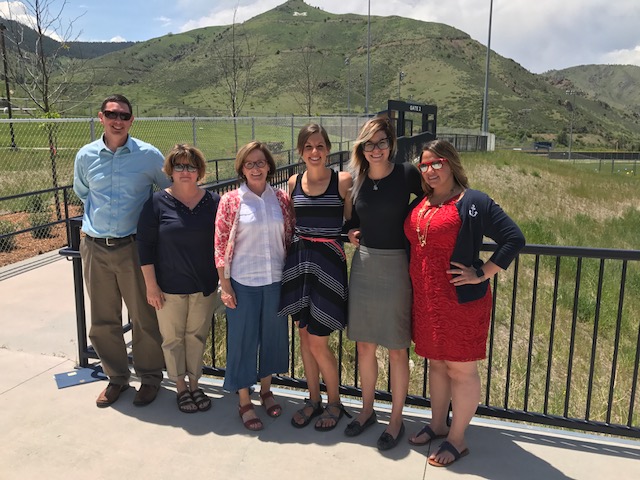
(114, 176)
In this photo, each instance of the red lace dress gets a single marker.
(442, 328)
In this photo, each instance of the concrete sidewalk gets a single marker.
(54, 433)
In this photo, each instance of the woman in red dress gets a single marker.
(451, 295)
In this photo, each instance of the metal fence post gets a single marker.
(195, 133)
(92, 129)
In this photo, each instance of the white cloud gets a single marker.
(224, 15)
(164, 21)
(19, 12)
(118, 38)
(623, 57)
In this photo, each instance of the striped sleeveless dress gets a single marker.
(314, 280)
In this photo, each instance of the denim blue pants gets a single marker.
(258, 340)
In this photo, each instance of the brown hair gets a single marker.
(244, 152)
(444, 149)
(117, 98)
(307, 131)
(183, 151)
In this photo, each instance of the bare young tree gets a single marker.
(305, 73)
(39, 69)
(235, 54)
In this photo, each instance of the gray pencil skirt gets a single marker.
(380, 298)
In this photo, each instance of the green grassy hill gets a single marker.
(178, 75)
(616, 85)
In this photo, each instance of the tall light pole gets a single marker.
(573, 109)
(400, 78)
(525, 117)
(366, 87)
(6, 84)
(485, 102)
(347, 62)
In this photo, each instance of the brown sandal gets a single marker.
(186, 403)
(201, 400)
(274, 411)
(253, 424)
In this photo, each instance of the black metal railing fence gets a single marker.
(564, 342)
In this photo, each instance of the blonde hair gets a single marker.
(358, 164)
(444, 149)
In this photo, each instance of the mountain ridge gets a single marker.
(177, 74)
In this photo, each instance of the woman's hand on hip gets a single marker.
(463, 275)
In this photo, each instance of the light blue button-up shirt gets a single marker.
(114, 186)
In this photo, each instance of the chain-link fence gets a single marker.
(37, 155)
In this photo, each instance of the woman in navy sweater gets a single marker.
(175, 243)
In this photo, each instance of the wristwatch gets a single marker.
(480, 272)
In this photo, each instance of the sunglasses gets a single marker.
(111, 115)
(381, 145)
(251, 165)
(181, 167)
(436, 164)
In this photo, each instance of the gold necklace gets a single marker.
(421, 216)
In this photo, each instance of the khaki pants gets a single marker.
(112, 274)
(184, 324)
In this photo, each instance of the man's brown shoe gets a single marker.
(110, 394)
(146, 395)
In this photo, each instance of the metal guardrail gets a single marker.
(564, 343)
(544, 388)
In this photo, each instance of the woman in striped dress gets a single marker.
(314, 281)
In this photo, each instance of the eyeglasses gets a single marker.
(181, 167)
(381, 145)
(257, 164)
(111, 115)
(436, 164)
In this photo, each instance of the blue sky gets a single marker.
(538, 34)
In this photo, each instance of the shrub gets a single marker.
(35, 203)
(36, 219)
(7, 244)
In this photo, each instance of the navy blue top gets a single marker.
(179, 243)
(320, 215)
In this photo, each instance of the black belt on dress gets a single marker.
(113, 242)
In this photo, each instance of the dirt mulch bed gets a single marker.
(26, 246)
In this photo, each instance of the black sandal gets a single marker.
(328, 415)
(306, 419)
(186, 403)
(201, 400)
